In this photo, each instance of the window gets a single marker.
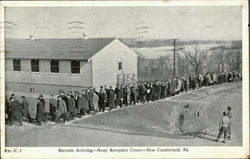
(35, 65)
(54, 66)
(120, 66)
(75, 67)
(32, 90)
(16, 65)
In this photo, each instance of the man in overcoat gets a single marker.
(17, 114)
(85, 102)
(118, 94)
(102, 97)
(39, 111)
(111, 98)
(71, 105)
(52, 107)
(61, 110)
(80, 107)
(25, 108)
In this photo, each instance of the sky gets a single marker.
(159, 22)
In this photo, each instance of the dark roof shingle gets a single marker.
(80, 49)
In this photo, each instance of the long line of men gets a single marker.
(89, 101)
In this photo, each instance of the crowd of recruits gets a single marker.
(89, 101)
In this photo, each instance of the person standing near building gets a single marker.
(85, 102)
(79, 102)
(118, 94)
(52, 107)
(39, 111)
(44, 116)
(17, 114)
(128, 94)
(90, 100)
(148, 93)
(223, 127)
(95, 102)
(25, 109)
(71, 106)
(229, 115)
(111, 98)
(61, 110)
(143, 94)
(125, 95)
(102, 97)
(133, 96)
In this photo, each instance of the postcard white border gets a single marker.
(194, 152)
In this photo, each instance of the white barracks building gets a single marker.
(50, 65)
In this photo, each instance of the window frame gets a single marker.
(75, 67)
(32, 65)
(15, 65)
(57, 68)
(119, 65)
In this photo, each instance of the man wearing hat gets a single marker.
(229, 115)
(61, 110)
(25, 109)
(39, 111)
(52, 107)
(44, 116)
(16, 109)
(71, 106)
(102, 98)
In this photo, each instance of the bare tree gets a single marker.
(195, 58)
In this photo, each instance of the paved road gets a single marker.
(70, 134)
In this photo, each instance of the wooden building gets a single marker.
(50, 65)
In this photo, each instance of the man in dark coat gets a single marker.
(39, 111)
(44, 116)
(16, 110)
(111, 98)
(8, 111)
(61, 110)
(79, 102)
(52, 107)
(143, 94)
(133, 95)
(90, 100)
(85, 102)
(25, 109)
(157, 90)
(125, 94)
(102, 97)
(71, 105)
(152, 90)
(163, 90)
(118, 94)
(148, 93)
(106, 90)
(64, 97)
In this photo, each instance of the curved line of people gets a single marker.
(89, 101)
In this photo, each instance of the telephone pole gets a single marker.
(174, 58)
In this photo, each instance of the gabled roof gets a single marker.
(70, 49)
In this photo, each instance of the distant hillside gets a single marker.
(133, 43)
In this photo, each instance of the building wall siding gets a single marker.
(40, 88)
(45, 77)
(105, 63)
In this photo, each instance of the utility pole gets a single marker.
(174, 58)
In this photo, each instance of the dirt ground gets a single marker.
(151, 124)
